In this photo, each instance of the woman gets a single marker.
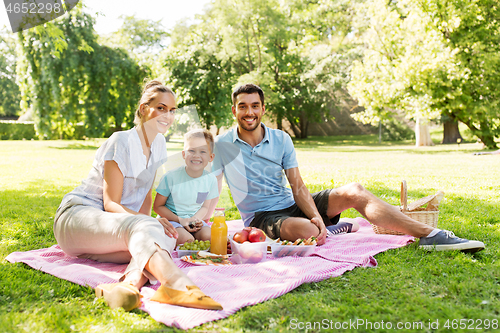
(108, 217)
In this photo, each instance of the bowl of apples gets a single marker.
(248, 246)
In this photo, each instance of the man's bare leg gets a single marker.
(374, 210)
(381, 214)
(298, 227)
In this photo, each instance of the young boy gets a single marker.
(184, 194)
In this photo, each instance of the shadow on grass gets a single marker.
(78, 146)
(370, 144)
(345, 140)
(394, 149)
(443, 149)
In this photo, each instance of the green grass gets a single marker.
(409, 285)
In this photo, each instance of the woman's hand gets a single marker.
(191, 224)
(168, 227)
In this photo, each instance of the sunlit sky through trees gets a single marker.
(168, 11)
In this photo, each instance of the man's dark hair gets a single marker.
(248, 88)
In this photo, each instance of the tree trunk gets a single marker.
(296, 131)
(250, 64)
(422, 134)
(451, 133)
(303, 126)
(258, 46)
(118, 126)
(486, 138)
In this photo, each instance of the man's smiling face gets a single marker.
(248, 110)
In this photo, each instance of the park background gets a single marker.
(328, 67)
(336, 74)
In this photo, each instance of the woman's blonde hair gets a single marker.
(148, 94)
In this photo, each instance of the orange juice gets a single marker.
(218, 242)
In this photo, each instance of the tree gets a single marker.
(199, 77)
(142, 39)
(295, 51)
(10, 96)
(71, 80)
(412, 63)
(472, 29)
(399, 51)
(310, 60)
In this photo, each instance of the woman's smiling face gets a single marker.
(160, 111)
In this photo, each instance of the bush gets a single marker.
(13, 130)
(395, 130)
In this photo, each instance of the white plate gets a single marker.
(190, 260)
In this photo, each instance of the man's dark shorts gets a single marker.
(271, 221)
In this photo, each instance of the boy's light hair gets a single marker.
(201, 133)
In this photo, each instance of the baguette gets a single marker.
(284, 250)
(299, 245)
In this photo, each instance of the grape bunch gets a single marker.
(197, 245)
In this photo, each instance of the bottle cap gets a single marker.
(220, 208)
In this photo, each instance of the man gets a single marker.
(257, 162)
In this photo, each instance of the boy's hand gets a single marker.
(168, 227)
(191, 224)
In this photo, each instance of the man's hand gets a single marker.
(191, 224)
(168, 227)
(321, 239)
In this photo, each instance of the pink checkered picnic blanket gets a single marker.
(234, 286)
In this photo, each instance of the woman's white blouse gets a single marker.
(126, 150)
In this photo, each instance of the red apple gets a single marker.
(241, 236)
(256, 235)
(256, 257)
(245, 253)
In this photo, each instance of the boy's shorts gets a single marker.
(270, 221)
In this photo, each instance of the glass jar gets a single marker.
(218, 242)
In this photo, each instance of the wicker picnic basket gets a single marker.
(428, 215)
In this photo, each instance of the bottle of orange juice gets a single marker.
(218, 242)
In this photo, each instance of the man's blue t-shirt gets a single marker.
(185, 194)
(255, 175)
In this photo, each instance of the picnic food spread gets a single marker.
(196, 245)
(310, 241)
(248, 246)
(249, 234)
(247, 252)
(207, 258)
(301, 247)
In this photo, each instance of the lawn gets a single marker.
(408, 286)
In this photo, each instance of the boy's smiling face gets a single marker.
(197, 154)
